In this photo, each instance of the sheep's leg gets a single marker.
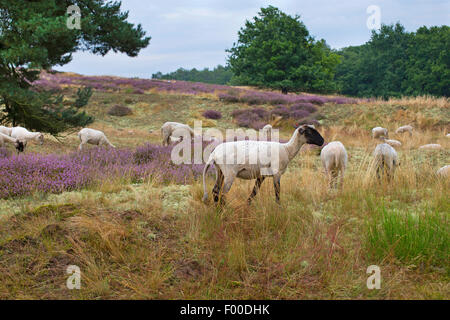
(276, 186)
(218, 185)
(80, 148)
(258, 183)
(334, 178)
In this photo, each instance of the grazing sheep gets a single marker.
(391, 142)
(444, 171)
(24, 136)
(334, 159)
(92, 136)
(379, 131)
(272, 159)
(7, 139)
(404, 129)
(168, 128)
(267, 132)
(5, 130)
(431, 146)
(386, 160)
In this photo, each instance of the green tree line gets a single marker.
(275, 50)
(218, 75)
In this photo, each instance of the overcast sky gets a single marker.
(196, 33)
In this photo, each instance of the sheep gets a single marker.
(431, 146)
(17, 143)
(267, 132)
(168, 128)
(404, 129)
(379, 131)
(24, 136)
(386, 160)
(334, 159)
(92, 136)
(391, 142)
(5, 130)
(271, 159)
(444, 171)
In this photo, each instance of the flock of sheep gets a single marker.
(333, 155)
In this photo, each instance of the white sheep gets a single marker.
(7, 139)
(386, 160)
(92, 136)
(444, 171)
(5, 130)
(431, 146)
(249, 159)
(168, 128)
(391, 142)
(334, 160)
(404, 129)
(24, 135)
(379, 131)
(267, 131)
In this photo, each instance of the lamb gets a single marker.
(5, 130)
(386, 160)
(404, 129)
(267, 132)
(334, 159)
(24, 136)
(168, 128)
(256, 160)
(379, 131)
(7, 139)
(92, 136)
(431, 146)
(444, 171)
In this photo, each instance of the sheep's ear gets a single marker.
(301, 130)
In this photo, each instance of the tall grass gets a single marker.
(411, 238)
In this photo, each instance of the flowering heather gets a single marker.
(224, 93)
(29, 173)
(212, 114)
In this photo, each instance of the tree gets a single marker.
(219, 75)
(275, 50)
(395, 62)
(34, 36)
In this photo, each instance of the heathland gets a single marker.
(136, 225)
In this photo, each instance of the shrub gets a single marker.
(83, 96)
(304, 106)
(212, 114)
(228, 97)
(298, 114)
(119, 111)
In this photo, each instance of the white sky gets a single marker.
(196, 33)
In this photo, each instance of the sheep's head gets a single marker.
(19, 146)
(40, 138)
(311, 135)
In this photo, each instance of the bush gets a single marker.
(83, 96)
(212, 114)
(228, 97)
(304, 106)
(119, 111)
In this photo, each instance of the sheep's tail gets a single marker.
(205, 192)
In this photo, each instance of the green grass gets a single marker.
(422, 238)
